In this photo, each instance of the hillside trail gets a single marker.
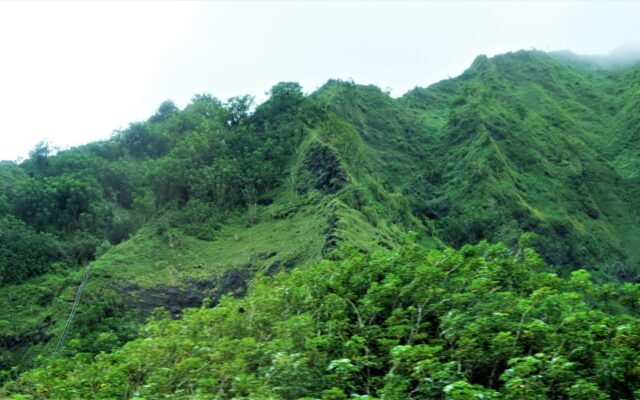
(74, 308)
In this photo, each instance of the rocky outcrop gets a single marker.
(186, 294)
(323, 169)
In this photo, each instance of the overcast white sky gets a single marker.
(72, 72)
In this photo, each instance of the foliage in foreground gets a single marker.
(479, 323)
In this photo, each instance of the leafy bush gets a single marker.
(25, 252)
(482, 322)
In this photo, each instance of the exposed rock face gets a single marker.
(15, 347)
(332, 238)
(187, 294)
(325, 171)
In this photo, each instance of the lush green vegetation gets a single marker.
(190, 205)
(482, 322)
(196, 165)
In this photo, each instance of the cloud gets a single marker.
(75, 71)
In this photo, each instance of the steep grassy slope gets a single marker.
(529, 146)
(521, 142)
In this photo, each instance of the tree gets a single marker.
(24, 252)
(166, 109)
(38, 156)
(238, 109)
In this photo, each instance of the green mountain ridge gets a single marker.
(189, 206)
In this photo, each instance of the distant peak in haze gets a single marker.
(620, 57)
(627, 54)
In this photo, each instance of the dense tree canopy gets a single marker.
(482, 322)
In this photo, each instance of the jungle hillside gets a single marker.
(475, 239)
